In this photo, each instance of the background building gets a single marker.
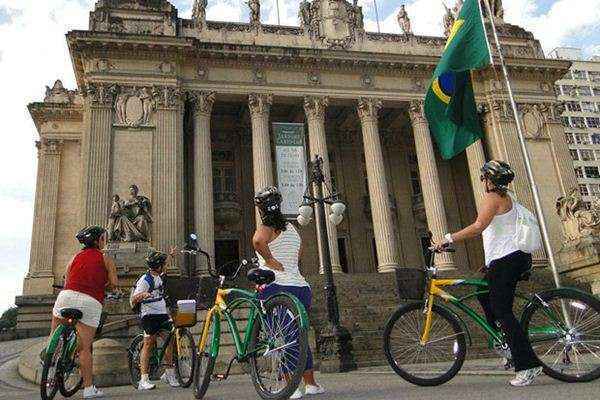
(579, 89)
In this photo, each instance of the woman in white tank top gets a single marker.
(505, 265)
(278, 247)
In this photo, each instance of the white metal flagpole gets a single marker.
(377, 15)
(525, 153)
(278, 16)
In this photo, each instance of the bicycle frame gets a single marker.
(71, 340)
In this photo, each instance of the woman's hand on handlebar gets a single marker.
(441, 247)
(274, 264)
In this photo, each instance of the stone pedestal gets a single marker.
(335, 350)
(580, 260)
(110, 363)
(130, 259)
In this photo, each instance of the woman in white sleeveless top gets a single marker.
(278, 247)
(505, 265)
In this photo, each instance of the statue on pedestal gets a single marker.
(457, 7)
(448, 21)
(130, 220)
(199, 12)
(578, 221)
(497, 9)
(304, 15)
(254, 6)
(404, 21)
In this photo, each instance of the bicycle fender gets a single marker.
(460, 320)
(304, 323)
(54, 339)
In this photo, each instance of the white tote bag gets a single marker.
(527, 236)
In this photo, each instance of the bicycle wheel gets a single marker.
(185, 358)
(278, 350)
(567, 354)
(434, 363)
(205, 363)
(51, 371)
(70, 379)
(133, 358)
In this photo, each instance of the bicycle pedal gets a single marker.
(219, 377)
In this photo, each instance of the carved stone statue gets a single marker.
(254, 6)
(497, 9)
(448, 21)
(199, 12)
(578, 221)
(457, 7)
(130, 221)
(404, 20)
(304, 15)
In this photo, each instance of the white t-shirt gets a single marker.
(153, 307)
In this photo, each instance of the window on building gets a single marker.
(557, 91)
(224, 181)
(579, 172)
(582, 138)
(586, 155)
(573, 106)
(588, 106)
(565, 122)
(569, 138)
(583, 190)
(569, 90)
(584, 91)
(597, 152)
(577, 122)
(574, 155)
(595, 138)
(594, 189)
(592, 172)
(593, 122)
(594, 76)
(577, 74)
(597, 91)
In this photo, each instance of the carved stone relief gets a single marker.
(259, 76)
(335, 22)
(134, 107)
(578, 221)
(533, 121)
(314, 78)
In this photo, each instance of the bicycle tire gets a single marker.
(459, 354)
(205, 364)
(133, 360)
(184, 335)
(582, 302)
(69, 392)
(53, 358)
(293, 379)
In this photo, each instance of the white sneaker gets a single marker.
(171, 379)
(311, 390)
(297, 394)
(526, 377)
(92, 392)
(146, 385)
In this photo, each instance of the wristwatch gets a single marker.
(448, 237)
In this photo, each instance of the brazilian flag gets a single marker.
(450, 102)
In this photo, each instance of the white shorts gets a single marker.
(89, 306)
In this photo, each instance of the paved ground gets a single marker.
(480, 380)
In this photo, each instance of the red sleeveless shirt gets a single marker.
(88, 274)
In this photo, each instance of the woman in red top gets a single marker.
(89, 273)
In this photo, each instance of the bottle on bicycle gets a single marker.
(89, 274)
(506, 264)
(279, 247)
(148, 296)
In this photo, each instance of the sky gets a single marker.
(33, 54)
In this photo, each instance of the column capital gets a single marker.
(416, 111)
(260, 103)
(202, 101)
(368, 108)
(49, 146)
(100, 94)
(315, 107)
(168, 97)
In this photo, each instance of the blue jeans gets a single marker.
(303, 293)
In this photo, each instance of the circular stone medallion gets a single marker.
(134, 111)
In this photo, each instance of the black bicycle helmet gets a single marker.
(499, 173)
(156, 259)
(88, 236)
(268, 200)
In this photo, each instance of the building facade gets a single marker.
(184, 109)
(579, 89)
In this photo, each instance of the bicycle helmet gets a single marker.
(268, 200)
(499, 173)
(88, 236)
(156, 259)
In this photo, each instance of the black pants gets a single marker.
(502, 276)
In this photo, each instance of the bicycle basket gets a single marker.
(207, 292)
(410, 283)
(177, 288)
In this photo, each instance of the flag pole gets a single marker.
(377, 16)
(278, 16)
(525, 153)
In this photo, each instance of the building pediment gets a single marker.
(150, 17)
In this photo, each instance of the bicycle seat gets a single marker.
(71, 313)
(261, 276)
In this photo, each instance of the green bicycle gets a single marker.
(275, 341)
(426, 343)
(60, 371)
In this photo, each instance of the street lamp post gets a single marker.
(335, 341)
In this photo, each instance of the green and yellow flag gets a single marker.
(450, 102)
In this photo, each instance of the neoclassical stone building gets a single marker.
(184, 109)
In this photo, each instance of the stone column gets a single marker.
(203, 175)
(260, 107)
(315, 108)
(96, 153)
(552, 114)
(40, 277)
(430, 182)
(383, 221)
(167, 180)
